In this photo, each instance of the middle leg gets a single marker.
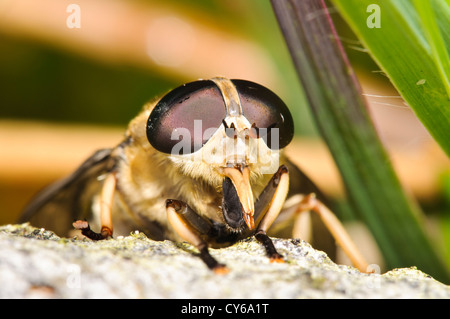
(337, 230)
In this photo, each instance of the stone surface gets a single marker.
(35, 263)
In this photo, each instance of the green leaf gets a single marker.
(341, 116)
(412, 49)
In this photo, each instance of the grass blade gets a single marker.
(433, 35)
(402, 50)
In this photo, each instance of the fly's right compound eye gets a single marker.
(183, 115)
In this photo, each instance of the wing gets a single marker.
(57, 205)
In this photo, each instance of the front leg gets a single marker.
(268, 207)
(189, 225)
(106, 201)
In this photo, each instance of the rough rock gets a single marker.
(35, 263)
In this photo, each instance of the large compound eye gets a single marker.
(184, 119)
(267, 113)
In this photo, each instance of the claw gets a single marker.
(221, 270)
(83, 225)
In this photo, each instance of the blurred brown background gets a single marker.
(66, 91)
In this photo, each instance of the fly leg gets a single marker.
(268, 207)
(189, 225)
(106, 200)
(337, 230)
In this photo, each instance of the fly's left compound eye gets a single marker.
(185, 118)
(269, 116)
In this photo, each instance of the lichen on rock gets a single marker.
(37, 263)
